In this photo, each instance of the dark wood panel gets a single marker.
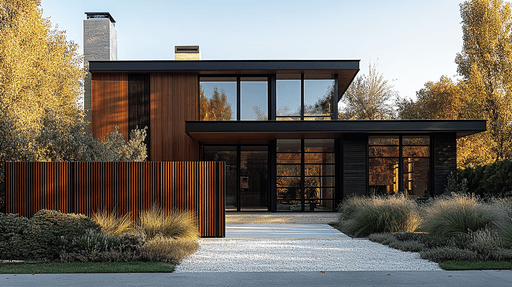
(127, 187)
(355, 174)
(109, 103)
(174, 100)
(445, 159)
(139, 104)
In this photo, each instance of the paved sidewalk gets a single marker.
(281, 217)
(255, 279)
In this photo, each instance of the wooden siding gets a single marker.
(174, 100)
(86, 187)
(355, 172)
(445, 159)
(109, 103)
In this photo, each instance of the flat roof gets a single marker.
(345, 69)
(269, 130)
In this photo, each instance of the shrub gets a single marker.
(174, 224)
(445, 253)
(367, 215)
(47, 232)
(114, 225)
(11, 240)
(494, 179)
(447, 217)
(97, 246)
(166, 249)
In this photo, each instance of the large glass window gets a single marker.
(218, 98)
(233, 98)
(317, 99)
(386, 176)
(304, 97)
(254, 98)
(288, 89)
(305, 175)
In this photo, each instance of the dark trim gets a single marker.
(460, 127)
(334, 99)
(238, 99)
(302, 96)
(272, 100)
(222, 65)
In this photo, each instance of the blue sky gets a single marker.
(413, 41)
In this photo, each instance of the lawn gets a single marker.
(476, 265)
(87, 267)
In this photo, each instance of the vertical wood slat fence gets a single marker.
(86, 187)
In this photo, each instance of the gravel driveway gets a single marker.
(305, 254)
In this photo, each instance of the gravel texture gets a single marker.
(264, 255)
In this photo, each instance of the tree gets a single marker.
(437, 100)
(40, 84)
(216, 108)
(368, 97)
(485, 63)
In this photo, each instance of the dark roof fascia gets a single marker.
(222, 65)
(461, 127)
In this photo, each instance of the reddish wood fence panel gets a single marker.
(86, 187)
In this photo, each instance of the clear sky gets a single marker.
(414, 41)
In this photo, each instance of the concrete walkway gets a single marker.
(281, 231)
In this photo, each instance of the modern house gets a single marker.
(274, 122)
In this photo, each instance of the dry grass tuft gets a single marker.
(112, 224)
(361, 216)
(174, 224)
(167, 249)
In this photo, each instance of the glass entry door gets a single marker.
(247, 185)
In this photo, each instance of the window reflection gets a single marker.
(217, 98)
(385, 153)
(317, 97)
(254, 98)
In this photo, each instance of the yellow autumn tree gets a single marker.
(40, 84)
(436, 100)
(39, 74)
(485, 63)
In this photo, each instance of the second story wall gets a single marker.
(161, 101)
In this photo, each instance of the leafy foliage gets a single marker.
(215, 108)
(489, 180)
(369, 97)
(40, 86)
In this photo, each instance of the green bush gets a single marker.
(448, 217)
(96, 246)
(489, 180)
(11, 240)
(365, 215)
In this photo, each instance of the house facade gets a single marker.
(275, 124)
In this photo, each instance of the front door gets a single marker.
(247, 185)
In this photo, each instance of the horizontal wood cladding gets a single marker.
(355, 171)
(109, 103)
(445, 159)
(174, 100)
(86, 187)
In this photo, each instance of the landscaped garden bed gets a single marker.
(459, 231)
(105, 242)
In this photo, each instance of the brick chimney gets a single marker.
(187, 53)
